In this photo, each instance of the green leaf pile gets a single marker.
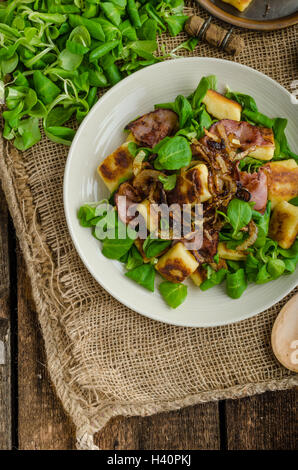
(56, 54)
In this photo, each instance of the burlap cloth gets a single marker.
(103, 358)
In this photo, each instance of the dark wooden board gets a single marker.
(5, 359)
(266, 421)
(42, 422)
(194, 427)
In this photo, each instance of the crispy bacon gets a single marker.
(153, 127)
(247, 134)
(210, 242)
(256, 184)
(208, 250)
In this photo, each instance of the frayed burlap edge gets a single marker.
(48, 300)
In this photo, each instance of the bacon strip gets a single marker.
(153, 127)
(256, 184)
(247, 134)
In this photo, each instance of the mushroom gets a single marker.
(284, 337)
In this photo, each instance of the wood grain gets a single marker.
(42, 422)
(263, 422)
(195, 427)
(5, 363)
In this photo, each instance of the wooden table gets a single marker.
(31, 416)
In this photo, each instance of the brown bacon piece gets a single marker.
(153, 127)
(247, 134)
(210, 242)
(256, 184)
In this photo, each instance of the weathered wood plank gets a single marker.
(5, 361)
(42, 422)
(194, 427)
(263, 422)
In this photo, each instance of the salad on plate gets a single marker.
(205, 188)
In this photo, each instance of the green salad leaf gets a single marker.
(173, 154)
(63, 52)
(214, 278)
(262, 223)
(143, 275)
(246, 101)
(205, 84)
(173, 294)
(134, 258)
(236, 283)
(154, 246)
(239, 213)
(169, 182)
(282, 150)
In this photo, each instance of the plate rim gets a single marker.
(68, 217)
(259, 25)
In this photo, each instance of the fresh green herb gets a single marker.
(173, 154)
(93, 27)
(239, 214)
(249, 164)
(262, 223)
(204, 121)
(216, 258)
(275, 268)
(102, 50)
(169, 182)
(252, 265)
(28, 133)
(294, 201)
(148, 30)
(190, 45)
(263, 276)
(215, 278)
(236, 284)
(115, 246)
(61, 52)
(233, 265)
(173, 294)
(154, 246)
(86, 215)
(205, 84)
(290, 252)
(258, 118)
(133, 13)
(143, 275)
(290, 265)
(45, 89)
(175, 23)
(182, 107)
(282, 149)
(246, 101)
(134, 258)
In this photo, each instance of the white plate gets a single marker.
(102, 131)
